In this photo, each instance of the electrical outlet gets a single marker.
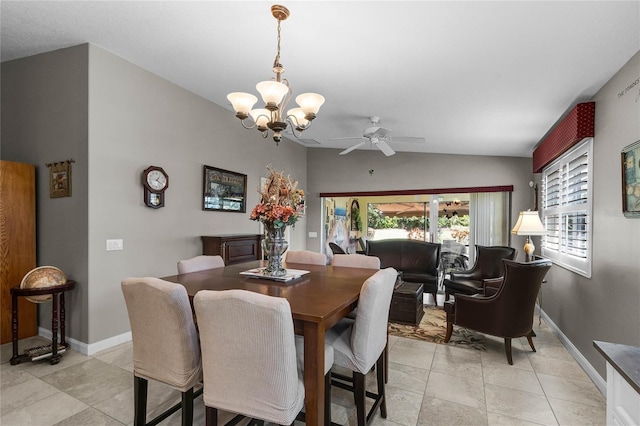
(313, 235)
(115, 245)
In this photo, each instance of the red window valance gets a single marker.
(502, 188)
(577, 125)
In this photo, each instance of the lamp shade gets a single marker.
(272, 92)
(310, 102)
(299, 114)
(261, 116)
(242, 102)
(529, 224)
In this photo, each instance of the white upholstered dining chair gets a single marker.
(251, 358)
(356, 261)
(359, 344)
(306, 256)
(199, 263)
(165, 343)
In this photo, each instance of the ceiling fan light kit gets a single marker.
(276, 95)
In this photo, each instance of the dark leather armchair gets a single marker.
(509, 312)
(488, 266)
(362, 246)
(336, 249)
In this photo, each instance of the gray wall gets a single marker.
(125, 120)
(45, 120)
(605, 307)
(329, 172)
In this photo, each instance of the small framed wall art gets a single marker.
(60, 179)
(630, 158)
(224, 190)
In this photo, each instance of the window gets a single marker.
(566, 209)
(436, 215)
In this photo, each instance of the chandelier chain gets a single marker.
(276, 64)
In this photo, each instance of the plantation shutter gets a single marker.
(566, 209)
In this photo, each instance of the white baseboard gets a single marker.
(90, 349)
(595, 377)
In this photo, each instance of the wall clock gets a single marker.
(155, 182)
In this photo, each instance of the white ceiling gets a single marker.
(477, 77)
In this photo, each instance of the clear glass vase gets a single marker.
(274, 245)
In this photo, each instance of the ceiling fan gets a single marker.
(377, 136)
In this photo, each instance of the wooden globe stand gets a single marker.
(55, 349)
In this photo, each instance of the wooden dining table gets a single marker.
(318, 300)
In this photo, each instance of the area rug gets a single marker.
(433, 328)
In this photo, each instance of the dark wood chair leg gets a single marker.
(381, 386)
(530, 339)
(211, 416)
(187, 408)
(435, 298)
(327, 399)
(140, 387)
(359, 395)
(507, 348)
(449, 332)
(386, 361)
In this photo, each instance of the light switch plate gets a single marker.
(313, 235)
(115, 245)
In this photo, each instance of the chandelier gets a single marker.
(276, 93)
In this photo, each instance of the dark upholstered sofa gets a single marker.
(418, 261)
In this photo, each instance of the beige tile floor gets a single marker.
(429, 384)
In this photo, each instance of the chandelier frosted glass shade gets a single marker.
(261, 117)
(272, 92)
(299, 115)
(242, 103)
(310, 103)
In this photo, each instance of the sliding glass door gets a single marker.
(458, 220)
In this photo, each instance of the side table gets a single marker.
(407, 304)
(57, 293)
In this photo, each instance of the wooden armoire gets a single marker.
(17, 244)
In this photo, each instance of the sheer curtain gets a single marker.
(489, 220)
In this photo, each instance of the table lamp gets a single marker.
(529, 224)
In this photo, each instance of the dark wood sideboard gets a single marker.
(234, 248)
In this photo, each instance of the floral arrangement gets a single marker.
(281, 202)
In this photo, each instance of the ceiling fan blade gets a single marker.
(348, 150)
(382, 132)
(385, 148)
(409, 139)
(370, 131)
(346, 139)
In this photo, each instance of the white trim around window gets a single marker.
(567, 195)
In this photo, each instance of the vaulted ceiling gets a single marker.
(477, 77)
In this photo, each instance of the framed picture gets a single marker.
(60, 179)
(631, 180)
(224, 190)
